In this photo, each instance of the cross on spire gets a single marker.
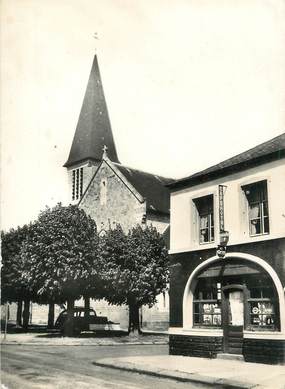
(105, 149)
(95, 36)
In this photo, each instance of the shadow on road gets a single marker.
(85, 335)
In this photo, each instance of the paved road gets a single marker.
(49, 367)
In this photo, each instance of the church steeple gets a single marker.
(93, 129)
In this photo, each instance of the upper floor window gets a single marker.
(77, 183)
(257, 198)
(205, 208)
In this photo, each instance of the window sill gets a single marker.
(261, 330)
(257, 235)
(205, 243)
(205, 327)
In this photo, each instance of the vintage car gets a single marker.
(86, 320)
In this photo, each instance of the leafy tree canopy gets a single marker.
(13, 288)
(135, 267)
(60, 255)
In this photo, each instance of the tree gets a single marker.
(134, 268)
(60, 256)
(14, 289)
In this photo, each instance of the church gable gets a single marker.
(109, 200)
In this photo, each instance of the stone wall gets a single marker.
(112, 203)
(108, 201)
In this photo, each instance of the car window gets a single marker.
(92, 313)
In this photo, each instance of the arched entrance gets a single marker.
(236, 294)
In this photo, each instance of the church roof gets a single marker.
(93, 129)
(268, 151)
(150, 186)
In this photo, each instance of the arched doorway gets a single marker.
(234, 295)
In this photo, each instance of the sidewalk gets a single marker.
(216, 372)
(85, 339)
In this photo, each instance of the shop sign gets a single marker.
(221, 251)
(221, 207)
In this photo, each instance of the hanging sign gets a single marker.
(221, 208)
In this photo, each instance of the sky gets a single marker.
(188, 83)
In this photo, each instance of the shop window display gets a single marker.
(262, 308)
(255, 306)
(207, 309)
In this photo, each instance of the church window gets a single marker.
(256, 195)
(77, 183)
(103, 192)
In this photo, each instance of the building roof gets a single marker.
(265, 152)
(150, 186)
(93, 129)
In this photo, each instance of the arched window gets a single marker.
(103, 192)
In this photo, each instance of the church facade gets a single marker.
(112, 193)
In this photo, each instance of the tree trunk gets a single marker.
(26, 314)
(86, 306)
(51, 315)
(134, 320)
(19, 313)
(68, 325)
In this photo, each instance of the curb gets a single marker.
(84, 344)
(178, 376)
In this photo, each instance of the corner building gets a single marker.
(228, 297)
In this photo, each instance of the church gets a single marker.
(112, 193)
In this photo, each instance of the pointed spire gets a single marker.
(93, 129)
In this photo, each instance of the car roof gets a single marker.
(80, 309)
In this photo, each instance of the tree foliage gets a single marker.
(135, 268)
(13, 287)
(60, 254)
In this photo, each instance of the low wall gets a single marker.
(195, 346)
(264, 351)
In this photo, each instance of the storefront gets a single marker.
(233, 305)
(227, 254)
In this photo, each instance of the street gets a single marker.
(49, 367)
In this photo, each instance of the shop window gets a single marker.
(77, 183)
(205, 209)
(256, 195)
(206, 307)
(262, 308)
